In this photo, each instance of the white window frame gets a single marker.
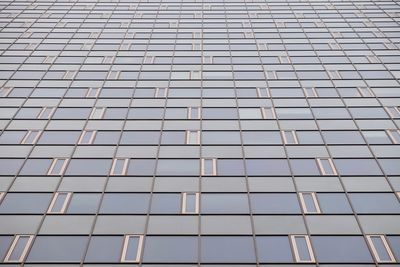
(93, 89)
(213, 164)
(64, 206)
(94, 35)
(24, 251)
(27, 135)
(294, 135)
(196, 46)
(334, 74)
(271, 75)
(126, 245)
(315, 201)
(94, 111)
(321, 166)
(391, 114)
(375, 251)
(195, 75)
(44, 110)
(295, 248)
(113, 75)
(284, 60)
(5, 91)
(391, 136)
(107, 60)
(208, 60)
(124, 166)
(264, 113)
(189, 113)
(49, 60)
(69, 75)
(188, 133)
(184, 203)
(54, 162)
(373, 59)
(148, 59)
(365, 91)
(197, 34)
(263, 89)
(91, 139)
(334, 46)
(310, 92)
(160, 89)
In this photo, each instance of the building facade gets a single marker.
(199, 133)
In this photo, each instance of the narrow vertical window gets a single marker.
(18, 248)
(320, 24)
(284, 59)
(30, 46)
(87, 137)
(125, 46)
(209, 166)
(57, 167)
(93, 92)
(280, 24)
(45, 113)
(302, 248)
(334, 74)
(190, 203)
(271, 75)
(4, 91)
(132, 248)
(173, 24)
(326, 166)
(59, 202)
(393, 112)
(262, 46)
(373, 59)
(49, 60)
(365, 91)
(334, 46)
(148, 60)
(94, 35)
(31, 137)
(390, 45)
(196, 46)
(310, 92)
(97, 113)
(394, 136)
(289, 137)
(246, 24)
(161, 92)
(119, 166)
(268, 113)
(108, 60)
(248, 34)
(263, 92)
(337, 34)
(380, 248)
(196, 35)
(113, 75)
(309, 202)
(86, 46)
(193, 137)
(193, 113)
(69, 74)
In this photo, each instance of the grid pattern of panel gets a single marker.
(210, 133)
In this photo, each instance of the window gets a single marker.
(113, 75)
(57, 167)
(208, 166)
(207, 60)
(107, 60)
(87, 137)
(394, 136)
(97, 113)
(46, 113)
(394, 112)
(92, 92)
(49, 60)
(193, 113)
(334, 74)
(161, 92)
(284, 60)
(60, 202)
(302, 248)
(132, 248)
(310, 92)
(326, 166)
(119, 166)
(290, 137)
(19, 248)
(263, 92)
(190, 203)
(195, 74)
(380, 248)
(31, 137)
(148, 60)
(271, 75)
(193, 137)
(309, 202)
(4, 91)
(69, 74)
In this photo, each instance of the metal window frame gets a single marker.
(49, 60)
(293, 133)
(315, 200)
(308, 89)
(271, 75)
(184, 203)
(103, 110)
(24, 251)
(107, 60)
(54, 162)
(391, 114)
(44, 109)
(213, 164)
(113, 75)
(157, 92)
(391, 136)
(295, 248)
(375, 251)
(189, 113)
(5, 91)
(260, 89)
(334, 74)
(125, 248)
(195, 75)
(124, 166)
(91, 139)
(188, 132)
(148, 59)
(90, 90)
(321, 166)
(64, 206)
(69, 75)
(363, 89)
(264, 113)
(27, 135)
(208, 60)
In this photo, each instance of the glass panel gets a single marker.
(104, 249)
(274, 249)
